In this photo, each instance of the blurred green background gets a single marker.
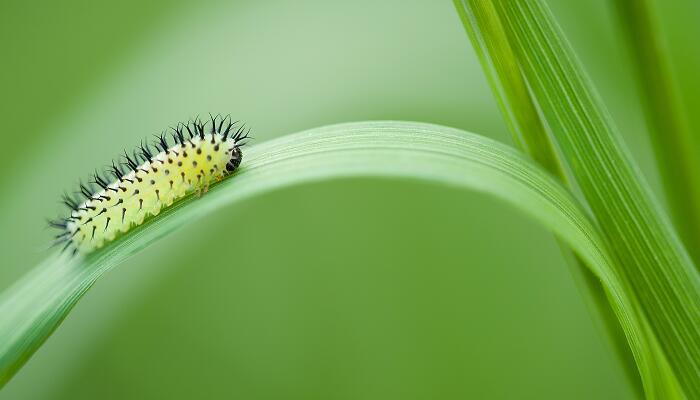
(350, 289)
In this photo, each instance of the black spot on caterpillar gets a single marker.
(117, 205)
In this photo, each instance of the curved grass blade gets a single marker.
(32, 308)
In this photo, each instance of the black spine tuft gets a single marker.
(173, 135)
(213, 123)
(240, 137)
(187, 126)
(221, 124)
(180, 135)
(241, 134)
(138, 157)
(199, 126)
(146, 152)
(69, 201)
(130, 162)
(99, 181)
(163, 142)
(117, 172)
(238, 133)
(228, 128)
(58, 223)
(86, 191)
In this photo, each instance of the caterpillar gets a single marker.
(148, 180)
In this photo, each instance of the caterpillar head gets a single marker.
(236, 158)
(239, 140)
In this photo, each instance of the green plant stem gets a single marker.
(673, 143)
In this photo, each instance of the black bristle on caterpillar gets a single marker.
(96, 179)
(239, 136)
(146, 152)
(178, 136)
(130, 163)
(85, 191)
(149, 179)
(213, 124)
(162, 143)
(59, 224)
(117, 172)
(69, 201)
(138, 157)
(228, 128)
(221, 124)
(187, 126)
(200, 128)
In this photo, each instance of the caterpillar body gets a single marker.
(149, 180)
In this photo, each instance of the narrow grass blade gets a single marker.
(676, 151)
(519, 109)
(502, 69)
(655, 263)
(509, 86)
(35, 306)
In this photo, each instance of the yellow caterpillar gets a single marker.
(148, 181)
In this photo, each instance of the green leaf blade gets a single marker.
(35, 306)
(501, 66)
(655, 263)
(674, 144)
(509, 87)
